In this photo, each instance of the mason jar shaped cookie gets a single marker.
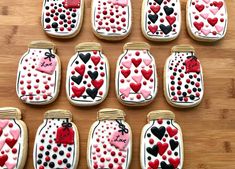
(57, 142)
(136, 75)
(38, 76)
(13, 139)
(111, 19)
(161, 20)
(62, 18)
(207, 19)
(183, 78)
(87, 81)
(109, 141)
(161, 142)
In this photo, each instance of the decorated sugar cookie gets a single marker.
(111, 19)
(57, 142)
(62, 18)
(13, 139)
(161, 20)
(161, 142)
(87, 75)
(183, 77)
(136, 75)
(207, 19)
(38, 76)
(110, 141)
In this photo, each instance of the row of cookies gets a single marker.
(160, 20)
(109, 141)
(87, 81)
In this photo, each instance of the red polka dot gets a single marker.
(113, 153)
(55, 149)
(102, 159)
(14, 150)
(151, 141)
(41, 148)
(115, 160)
(169, 152)
(47, 158)
(60, 162)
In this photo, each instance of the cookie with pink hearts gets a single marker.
(110, 141)
(207, 19)
(136, 75)
(111, 19)
(13, 139)
(38, 76)
(161, 144)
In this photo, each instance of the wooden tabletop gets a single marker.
(208, 130)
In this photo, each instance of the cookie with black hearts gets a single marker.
(111, 19)
(161, 19)
(110, 141)
(207, 20)
(87, 80)
(57, 142)
(136, 75)
(161, 142)
(39, 72)
(183, 77)
(62, 18)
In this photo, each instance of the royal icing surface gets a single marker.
(161, 19)
(183, 79)
(62, 17)
(161, 145)
(87, 78)
(136, 77)
(207, 19)
(111, 18)
(38, 76)
(56, 145)
(109, 145)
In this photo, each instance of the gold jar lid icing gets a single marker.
(58, 114)
(111, 114)
(160, 114)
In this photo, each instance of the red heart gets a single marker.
(78, 91)
(218, 4)
(212, 21)
(136, 62)
(3, 159)
(135, 87)
(162, 148)
(146, 74)
(155, 9)
(95, 60)
(174, 162)
(97, 83)
(0, 131)
(154, 165)
(80, 69)
(125, 73)
(198, 25)
(10, 142)
(153, 29)
(199, 7)
(170, 19)
(171, 131)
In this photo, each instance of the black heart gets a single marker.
(158, 132)
(168, 10)
(153, 18)
(165, 29)
(153, 151)
(92, 93)
(77, 79)
(85, 58)
(165, 166)
(174, 144)
(159, 1)
(93, 75)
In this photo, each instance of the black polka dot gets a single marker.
(54, 156)
(45, 164)
(192, 83)
(68, 165)
(176, 154)
(40, 155)
(39, 162)
(48, 147)
(47, 153)
(69, 149)
(184, 94)
(178, 88)
(186, 86)
(77, 62)
(190, 76)
(84, 82)
(174, 73)
(168, 122)
(47, 20)
(74, 15)
(74, 20)
(65, 160)
(61, 152)
(72, 26)
(89, 66)
(179, 78)
(62, 16)
(194, 89)
(54, 25)
(42, 140)
(172, 82)
(51, 165)
(199, 89)
(149, 158)
(198, 79)
(172, 93)
(192, 97)
(47, 7)
(57, 14)
(166, 135)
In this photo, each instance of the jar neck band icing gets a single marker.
(111, 114)
(136, 46)
(42, 45)
(10, 113)
(88, 46)
(183, 48)
(160, 114)
(58, 114)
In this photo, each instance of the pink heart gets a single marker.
(147, 61)
(205, 31)
(15, 133)
(125, 92)
(127, 64)
(206, 1)
(204, 15)
(137, 79)
(145, 93)
(3, 123)
(219, 28)
(214, 10)
(2, 142)
(10, 165)
(119, 140)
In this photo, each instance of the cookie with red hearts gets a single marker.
(109, 141)
(38, 76)
(136, 75)
(57, 142)
(87, 75)
(207, 19)
(161, 19)
(183, 77)
(13, 139)
(111, 19)
(161, 142)
(62, 18)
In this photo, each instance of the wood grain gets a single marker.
(209, 129)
